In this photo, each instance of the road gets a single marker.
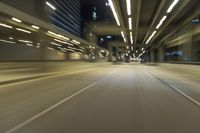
(111, 99)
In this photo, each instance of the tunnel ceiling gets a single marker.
(146, 15)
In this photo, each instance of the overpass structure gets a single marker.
(99, 66)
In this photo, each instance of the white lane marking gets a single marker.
(178, 90)
(53, 106)
(184, 94)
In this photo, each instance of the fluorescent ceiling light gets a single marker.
(11, 38)
(130, 23)
(70, 44)
(131, 37)
(161, 22)
(60, 41)
(50, 48)
(58, 35)
(71, 50)
(6, 26)
(124, 39)
(63, 37)
(122, 34)
(152, 35)
(128, 3)
(25, 41)
(132, 48)
(102, 51)
(50, 5)
(16, 20)
(70, 47)
(1, 40)
(50, 32)
(35, 27)
(114, 12)
(29, 45)
(75, 41)
(26, 31)
(172, 6)
(56, 44)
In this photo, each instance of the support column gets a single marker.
(161, 54)
(110, 49)
(152, 56)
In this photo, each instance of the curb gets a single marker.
(25, 79)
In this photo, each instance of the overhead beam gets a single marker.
(182, 24)
(181, 7)
(137, 19)
(162, 3)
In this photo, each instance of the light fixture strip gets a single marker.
(6, 26)
(35, 27)
(114, 11)
(128, 3)
(172, 6)
(161, 22)
(131, 37)
(152, 35)
(50, 48)
(56, 44)
(26, 31)
(29, 44)
(1, 40)
(124, 39)
(76, 42)
(50, 5)
(16, 20)
(122, 33)
(58, 35)
(130, 23)
(25, 41)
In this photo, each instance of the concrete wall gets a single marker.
(187, 41)
(16, 52)
(32, 7)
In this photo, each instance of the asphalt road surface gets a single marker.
(111, 99)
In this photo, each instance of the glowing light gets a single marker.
(128, 3)
(161, 22)
(114, 11)
(6, 26)
(35, 27)
(50, 5)
(22, 30)
(172, 6)
(16, 20)
(1, 40)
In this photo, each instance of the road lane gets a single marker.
(21, 101)
(130, 100)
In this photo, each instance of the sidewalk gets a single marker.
(11, 76)
(16, 72)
